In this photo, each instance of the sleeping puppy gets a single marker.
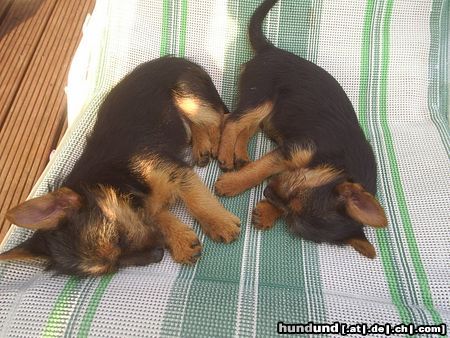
(112, 209)
(323, 173)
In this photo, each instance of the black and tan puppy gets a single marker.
(112, 209)
(323, 171)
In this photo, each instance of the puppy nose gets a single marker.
(158, 254)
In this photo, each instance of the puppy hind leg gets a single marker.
(201, 144)
(240, 150)
(205, 122)
(236, 134)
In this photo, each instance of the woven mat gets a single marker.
(391, 58)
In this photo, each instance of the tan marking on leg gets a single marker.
(249, 123)
(227, 144)
(265, 214)
(205, 124)
(197, 111)
(201, 145)
(217, 222)
(240, 150)
(214, 133)
(182, 242)
(162, 177)
(234, 183)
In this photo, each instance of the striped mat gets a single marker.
(391, 58)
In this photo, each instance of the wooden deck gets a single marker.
(37, 41)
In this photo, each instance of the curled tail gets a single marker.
(257, 39)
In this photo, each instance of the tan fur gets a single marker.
(169, 182)
(361, 205)
(96, 269)
(234, 183)
(265, 214)
(296, 205)
(271, 131)
(227, 143)
(99, 250)
(300, 158)
(305, 179)
(240, 149)
(181, 240)
(218, 223)
(319, 176)
(46, 211)
(163, 177)
(197, 111)
(201, 144)
(363, 246)
(205, 126)
(244, 128)
(118, 210)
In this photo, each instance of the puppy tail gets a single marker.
(257, 39)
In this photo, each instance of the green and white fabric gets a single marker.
(391, 57)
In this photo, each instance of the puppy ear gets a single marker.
(363, 246)
(31, 248)
(46, 211)
(362, 205)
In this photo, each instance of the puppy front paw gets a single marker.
(228, 185)
(264, 215)
(201, 159)
(184, 247)
(224, 229)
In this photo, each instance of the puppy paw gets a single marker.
(225, 165)
(225, 229)
(201, 159)
(228, 185)
(185, 247)
(264, 215)
(240, 163)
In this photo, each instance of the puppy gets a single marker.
(323, 173)
(112, 209)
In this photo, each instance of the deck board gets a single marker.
(37, 42)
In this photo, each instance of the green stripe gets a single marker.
(57, 318)
(82, 299)
(296, 289)
(182, 43)
(382, 236)
(165, 29)
(195, 285)
(404, 213)
(86, 323)
(438, 70)
(364, 67)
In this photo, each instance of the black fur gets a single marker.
(138, 118)
(310, 109)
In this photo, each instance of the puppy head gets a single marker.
(321, 205)
(94, 233)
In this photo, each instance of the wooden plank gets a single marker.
(37, 114)
(21, 31)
